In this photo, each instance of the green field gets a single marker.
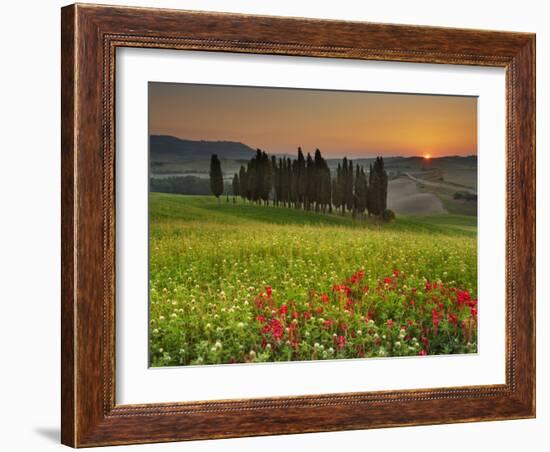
(248, 283)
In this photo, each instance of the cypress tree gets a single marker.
(349, 198)
(301, 181)
(260, 181)
(378, 188)
(325, 189)
(360, 191)
(371, 195)
(243, 182)
(251, 171)
(322, 193)
(281, 181)
(267, 178)
(295, 184)
(309, 197)
(275, 193)
(345, 182)
(319, 167)
(288, 182)
(216, 177)
(337, 189)
(236, 186)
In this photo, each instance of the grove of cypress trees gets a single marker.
(307, 183)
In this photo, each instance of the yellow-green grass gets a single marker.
(209, 261)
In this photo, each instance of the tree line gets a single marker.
(306, 183)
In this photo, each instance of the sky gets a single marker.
(339, 123)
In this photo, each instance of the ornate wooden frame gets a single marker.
(90, 36)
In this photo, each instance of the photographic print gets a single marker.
(294, 224)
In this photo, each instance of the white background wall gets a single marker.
(30, 228)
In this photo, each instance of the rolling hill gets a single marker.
(169, 149)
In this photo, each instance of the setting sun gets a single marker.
(427, 156)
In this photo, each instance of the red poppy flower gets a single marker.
(276, 329)
(435, 318)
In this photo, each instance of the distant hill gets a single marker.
(169, 149)
(417, 163)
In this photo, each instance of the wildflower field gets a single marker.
(236, 283)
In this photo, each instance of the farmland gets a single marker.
(241, 282)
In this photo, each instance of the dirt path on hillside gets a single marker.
(404, 198)
(440, 184)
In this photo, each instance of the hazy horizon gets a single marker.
(312, 151)
(339, 123)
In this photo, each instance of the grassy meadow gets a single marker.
(240, 282)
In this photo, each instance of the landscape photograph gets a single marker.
(292, 224)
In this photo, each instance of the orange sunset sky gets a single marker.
(340, 123)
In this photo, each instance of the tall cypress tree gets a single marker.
(337, 196)
(251, 179)
(378, 188)
(267, 178)
(360, 190)
(243, 182)
(301, 180)
(345, 182)
(288, 181)
(325, 189)
(349, 198)
(371, 195)
(236, 186)
(309, 197)
(216, 177)
(274, 180)
(322, 193)
(318, 170)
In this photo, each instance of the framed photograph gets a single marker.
(281, 225)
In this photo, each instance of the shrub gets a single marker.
(467, 196)
(388, 215)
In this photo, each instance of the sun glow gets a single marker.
(427, 156)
